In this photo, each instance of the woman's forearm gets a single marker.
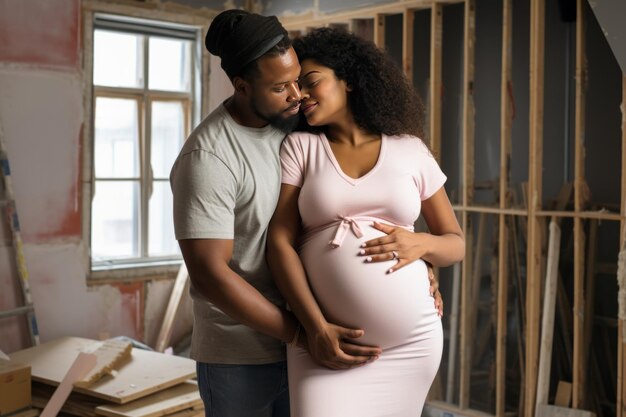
(291, 280)
(444, 250)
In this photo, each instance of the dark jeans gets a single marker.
(244, 390)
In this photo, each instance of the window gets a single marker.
(145, 80)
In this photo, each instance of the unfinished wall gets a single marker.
(41, 114)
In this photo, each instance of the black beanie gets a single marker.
(240, 37)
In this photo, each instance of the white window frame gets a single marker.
(146, 266)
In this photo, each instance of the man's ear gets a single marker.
(241, 86)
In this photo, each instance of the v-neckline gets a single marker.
(340, 171)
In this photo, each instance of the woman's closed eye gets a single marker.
(309, 83)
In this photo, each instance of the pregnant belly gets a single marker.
(391, 308)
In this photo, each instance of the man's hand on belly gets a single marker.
(335, 347)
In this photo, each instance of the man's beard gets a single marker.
(284, 124)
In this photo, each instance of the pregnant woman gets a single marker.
(359, 167)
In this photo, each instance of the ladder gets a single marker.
(28, 308)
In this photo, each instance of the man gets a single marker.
(225, 183)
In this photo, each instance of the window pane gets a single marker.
(115, 220)
(170, 64)
(161, 229)
(117, 59)
(116, 153)
(168, 135)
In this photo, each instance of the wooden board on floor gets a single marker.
(145, 373)
(546, 410)
(174, 399)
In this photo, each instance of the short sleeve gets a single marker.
(292, 161)
(204, 192)
(430, 178)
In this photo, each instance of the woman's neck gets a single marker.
(350, 134)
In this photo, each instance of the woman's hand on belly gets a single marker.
(336, 347)
(398, 244)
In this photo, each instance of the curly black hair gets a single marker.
(382, 100)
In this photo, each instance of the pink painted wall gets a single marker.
(40, 32)
(41, 114)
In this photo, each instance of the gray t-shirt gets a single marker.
(225, 182)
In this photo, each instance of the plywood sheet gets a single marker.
(145, 373)
(181, 397)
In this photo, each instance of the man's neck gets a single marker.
(242, 114)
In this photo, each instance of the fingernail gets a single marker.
(390, 270)
(362, 252)
(368, 259)
(363, 245)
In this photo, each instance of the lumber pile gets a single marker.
(118, 380)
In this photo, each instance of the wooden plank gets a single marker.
(579, 234)
(506, 120)
(145, 373)
(454, 333)
(545, 410)
(590, 275)
(533, 281)
(379, 30)
(621, 327)
(547, 324)
(476, 278)
(171, 400)
(436, 43)
(180, 288)
(408, 22)
(563, 395)
(467, 197)
(81, 366)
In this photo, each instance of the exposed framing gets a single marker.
(465, 351)
(436, 50)
(579, 369)
(534, 213)
(621, 323)
(533, 269)
(506, 120)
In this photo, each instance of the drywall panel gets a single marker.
(41, 113)
(611, 15)
(602, 140)
(66, 306)
(40, 32)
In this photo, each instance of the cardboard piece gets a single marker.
(15, 391)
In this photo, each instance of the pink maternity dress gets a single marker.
(395, 310)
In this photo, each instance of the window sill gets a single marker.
(139, 271)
